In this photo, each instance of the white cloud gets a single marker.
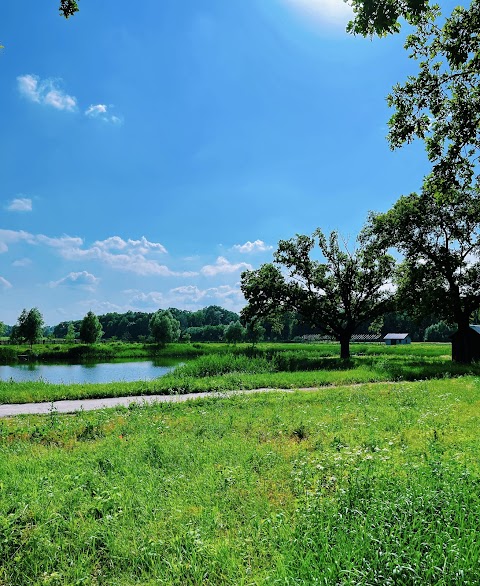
(62, 242)
(132, 257)
(8, 237)
(388, 287)
(188, 297)
(28, 86)
(471, 259)
(151, 300)
(20, 204)
(101, 111)
(142, 246)
(50, 93)
(192, 297)
(22, 262)
(223, 266)
(335, 12)
(46, 91)
(196, 294)
(102, 307)
(4, 284)
(97, 110)
(82, 279)
(249, 247)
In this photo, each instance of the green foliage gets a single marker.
(71, 333)
(209, 324)
(68, 8)
(255, 331)
(29, 326)
(381, 17)
(440, 104)
(8, 355)
(439, 332)
(164, 327)
(438, 234)
(336, 295)
(90, 329)
(206, 333)
(234, 333)
(216, 365)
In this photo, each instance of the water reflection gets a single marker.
(92, 372)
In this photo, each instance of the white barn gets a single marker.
(394, 339)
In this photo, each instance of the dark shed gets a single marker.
(472, 343)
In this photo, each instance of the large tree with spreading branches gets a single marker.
(336, 293)
(438, 234)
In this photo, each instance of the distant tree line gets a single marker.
(211, 324)
(205, 325)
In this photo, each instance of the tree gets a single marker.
(441, 104)
(381, 17)
(438, 233)
(164, 327)
(3, 328)
(255, 332)
(68, 8)
(234, 333)
(14, 337)
(71, 334)
(439, 332)
(29, 326)
(206, 333)
(336, 295)
(90, 329)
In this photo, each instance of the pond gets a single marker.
(106, 372)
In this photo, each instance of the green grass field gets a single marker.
(370, 484)
(218, 367)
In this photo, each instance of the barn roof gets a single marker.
(399, 336)
(475, 328)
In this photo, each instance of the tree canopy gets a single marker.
(336, 295)
(439, 332)
(382, 17)
(164, 327)
(234, 333)
(90, 329)
(29, 326)
(439, 105)
(68, 8)
(438, 233)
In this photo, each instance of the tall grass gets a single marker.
(369, 485)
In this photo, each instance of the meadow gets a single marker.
(349, 485)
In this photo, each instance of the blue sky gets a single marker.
(152, 152)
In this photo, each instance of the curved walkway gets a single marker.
(70, 406)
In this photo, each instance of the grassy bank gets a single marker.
(122, 350)
(272, 366)
(78, 353)
(363, 485)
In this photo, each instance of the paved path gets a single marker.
(70, 406)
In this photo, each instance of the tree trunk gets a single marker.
(462, 351)
(345, 347)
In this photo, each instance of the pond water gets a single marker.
(106, 372)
